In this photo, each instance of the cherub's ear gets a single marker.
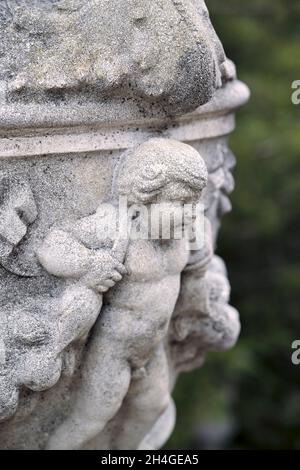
(151, 182)
(154, 172)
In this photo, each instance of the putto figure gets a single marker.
(127, 343)
(203, 320)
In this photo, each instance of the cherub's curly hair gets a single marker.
(159, 164)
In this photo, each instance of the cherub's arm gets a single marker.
(97, 230)
(193, 296)
(62, 255)
(201, 258)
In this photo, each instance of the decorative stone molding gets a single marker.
(96, 326)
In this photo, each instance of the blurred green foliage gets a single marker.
(255, 384)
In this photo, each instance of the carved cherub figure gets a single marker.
(127, 344)
(203, 319)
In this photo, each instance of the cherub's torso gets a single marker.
(140, 307)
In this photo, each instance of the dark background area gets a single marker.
(250, 397)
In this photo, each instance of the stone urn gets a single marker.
(110, 112)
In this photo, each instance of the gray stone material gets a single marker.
(102, 100)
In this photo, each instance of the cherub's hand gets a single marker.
(104, 273)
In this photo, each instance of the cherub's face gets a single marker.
(175, 216)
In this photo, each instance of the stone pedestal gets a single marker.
(103, 104)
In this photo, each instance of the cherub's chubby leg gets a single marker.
(147, 399)
(103, 386)
(161, 430)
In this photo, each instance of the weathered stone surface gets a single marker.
(164, 51)
(101, 100)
